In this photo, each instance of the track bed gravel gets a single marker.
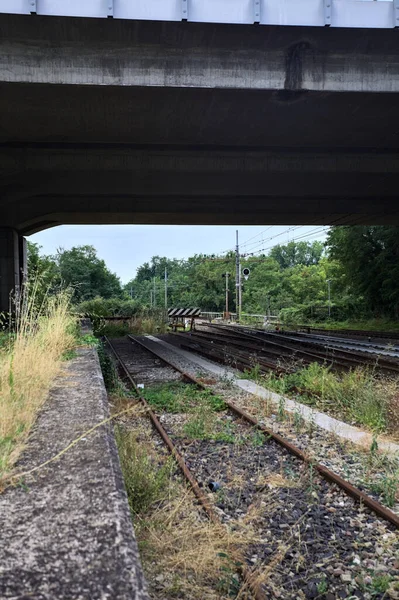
(312, 536)
(343, 457)
(312, 541)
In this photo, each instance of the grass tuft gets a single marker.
(146, 482)
(359, 396)
(177, 397)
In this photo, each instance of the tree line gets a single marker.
(358, 263)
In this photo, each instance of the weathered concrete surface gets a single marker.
(112, 121)
(67, 534)
(138, 53)
(9, 266)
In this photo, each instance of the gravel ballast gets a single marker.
(313, 541)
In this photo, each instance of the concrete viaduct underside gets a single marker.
(108, 121)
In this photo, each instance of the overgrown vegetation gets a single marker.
(132, 318)
(179, 397)
(30, 359)
(358, 396)
(136, 326)
(146, 483)
(378, 472)
(357, 263)
(182, 552)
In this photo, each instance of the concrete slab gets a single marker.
(322, 420)
(66, 534)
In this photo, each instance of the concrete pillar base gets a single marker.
(11, 249)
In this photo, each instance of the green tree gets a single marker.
(43, 272)
(297, 253)
(370, 259)
(263, 290)
(81, 268)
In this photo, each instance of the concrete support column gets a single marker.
(23, 260)
(9, 266)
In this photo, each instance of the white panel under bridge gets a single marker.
(314, 13)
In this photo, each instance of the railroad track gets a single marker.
(352, 333)
(246, 347)
(305, 516)
(328, 341)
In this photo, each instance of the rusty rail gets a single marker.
(245, 571)
(179, 459)
(329, 475)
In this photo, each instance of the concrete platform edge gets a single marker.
(67, 532)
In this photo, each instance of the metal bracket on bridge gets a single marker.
(257, 11)
(32, 7)
(327, 12)
(110, 9)
(396, 13)
(184, 10)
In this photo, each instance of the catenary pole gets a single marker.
(166, 290)
(329, 297)
(238, 280)
(227, 275)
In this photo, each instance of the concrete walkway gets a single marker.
(66, 533)
(339, 428)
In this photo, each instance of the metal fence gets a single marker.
(335, 13)
(211, 316)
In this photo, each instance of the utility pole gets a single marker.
(238, 280)
(151, 298)
(329, 297)
(227, 275)
(154, 296)
(166, 290)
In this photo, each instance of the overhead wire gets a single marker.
(313, 232)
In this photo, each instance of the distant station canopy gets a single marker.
(178, 317)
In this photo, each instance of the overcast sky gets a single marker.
(126, 247)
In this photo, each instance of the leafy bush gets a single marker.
(134, 318)
(111, 307)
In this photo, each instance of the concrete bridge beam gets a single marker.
(152, 54)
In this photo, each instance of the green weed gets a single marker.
(146, 482)
(69, 355)
(177, 397)
(254, 373)
(322, 586)
(258, 438)
(358, 396)
(387, 487)
(299, 421)
(281, 409)
(201, 425)
(112, 381)
(229, 582)
(381, 583)
(88, 340)
(312, 487)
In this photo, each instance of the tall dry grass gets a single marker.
(29, 362)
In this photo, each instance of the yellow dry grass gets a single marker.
(201, 555)
(276, 480)
(183, 553)
(28, 366)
